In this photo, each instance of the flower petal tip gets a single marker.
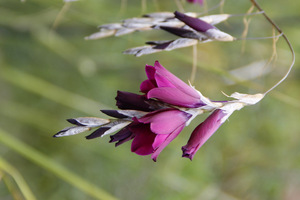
(187, 156)
(186, 153)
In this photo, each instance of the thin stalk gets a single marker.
(15, 174)
(123, 6)
(156, 5)
(179, 5)
(246, 29)
(194, 68)
(285, 38)
(144, 6)
(60, 15)
(219, 5)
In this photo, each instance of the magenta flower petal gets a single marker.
(203, 132)
(150, 82)
(159, 139)
(146, 85)
(174, 96)
(165, 121)
(169, 139)
(162, 75)
(160, 78)
(150, 72)
(142, 142)
(163, 81)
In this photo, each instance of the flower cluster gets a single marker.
(156, 117)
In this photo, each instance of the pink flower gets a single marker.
(166, 87)
(155, 131)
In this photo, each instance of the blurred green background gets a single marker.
(50, 73)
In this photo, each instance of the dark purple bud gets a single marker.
(97, 133)
(122, 136)
(114, 113)
(159, 42)
(75, 122)
(131, 101)
(181, 32)
(194, 23)
(161, 45)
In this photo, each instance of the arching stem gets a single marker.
(285, 38)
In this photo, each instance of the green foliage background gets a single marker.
(50, 73)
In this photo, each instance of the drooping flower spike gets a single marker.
(155, 118)
(148, 22)
(195, 31)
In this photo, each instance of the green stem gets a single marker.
(194, 68)
(46, 163)
(8, 168)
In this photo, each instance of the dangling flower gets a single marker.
(155, 118)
